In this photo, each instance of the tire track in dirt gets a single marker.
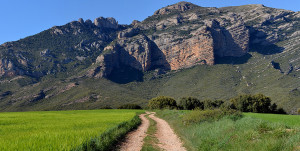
(134, 140)
(168, 140)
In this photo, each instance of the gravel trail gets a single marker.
(134, 140)
(168, 140)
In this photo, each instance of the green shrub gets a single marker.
(258, 103)
(198, 116)
(106, 107)
(280, 111)
(232, 114)
(209, 104)
(129, 106)
(227, 106)
(162, 102)
(190, 103)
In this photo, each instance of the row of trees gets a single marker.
(186, 103)
(258, 103)
(255, 103)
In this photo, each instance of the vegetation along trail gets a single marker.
(168, 140)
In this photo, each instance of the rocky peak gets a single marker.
(81, 21)
(257, 5)
(106, 22)
(128, 32)
(7, 44)
(181, 6)
(135, 22)
(88, 22)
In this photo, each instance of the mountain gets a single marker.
(181, 50)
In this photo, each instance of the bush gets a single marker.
(280, 111)
(232, 114)
(198, 116)
(258, 103)
(227, 106)
(106, 107)
(190, 103)
(209, 104)
(162, 102)
(129, 106)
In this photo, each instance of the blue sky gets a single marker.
(22, 18)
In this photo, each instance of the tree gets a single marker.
(190, 103)
(261, 104)
(242, 102)
(129, 106)
(280, 111)
(162, 102)
(258, 103)
(273, 108)
(209, 104)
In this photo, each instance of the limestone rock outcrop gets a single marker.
(230, 41)
(106, 22)
(134, 52)
(7, 68)
(174, 42)
(188, 52)
(181, 6)
(128, 32)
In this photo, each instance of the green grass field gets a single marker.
(290, 120)
(56, 130)
(247, 133)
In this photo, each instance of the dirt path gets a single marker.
(168, 140)
(134, 140)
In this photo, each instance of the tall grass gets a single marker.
(56, 130)
(198, 116)
(107, 140)
(246, 133)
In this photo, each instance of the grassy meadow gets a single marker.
(56, 130)
(249, 133)
(290, 120)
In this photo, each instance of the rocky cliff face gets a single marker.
(174, 37)
(230, 41)
(135, 52)
(52, 51)
(7, 68)
(198, 49)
